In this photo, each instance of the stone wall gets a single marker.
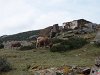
(75, 24)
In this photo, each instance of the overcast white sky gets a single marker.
(24, 15)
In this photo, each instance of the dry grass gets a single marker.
(21, 59)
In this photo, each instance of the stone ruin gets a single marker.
(75, 24)
(80, 26)
(55, 29)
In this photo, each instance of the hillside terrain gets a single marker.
(26, 56)
(20, 60)
(19, 36)
(79, 26)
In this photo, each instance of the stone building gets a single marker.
(75, 24)
(54, 31)
(55, 28)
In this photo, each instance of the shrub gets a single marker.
(1, 46)
(4, 65)
(72, 43)
(29, 47)
(75, 42)
(97, 43)
(56, 40)
(60, 48)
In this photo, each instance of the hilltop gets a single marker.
(76, 26)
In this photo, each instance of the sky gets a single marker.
(24, 15)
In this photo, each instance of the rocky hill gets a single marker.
(80, 26)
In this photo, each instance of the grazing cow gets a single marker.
(16, 45)
(43, 42)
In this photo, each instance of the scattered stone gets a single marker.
(86, 71)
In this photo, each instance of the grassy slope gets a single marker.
(21, 59)
(21, 36)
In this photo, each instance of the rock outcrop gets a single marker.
(50, 31)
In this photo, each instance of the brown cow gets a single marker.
(16, 45)
(43, 42)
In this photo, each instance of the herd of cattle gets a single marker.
(40, 42)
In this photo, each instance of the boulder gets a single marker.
(95, 70)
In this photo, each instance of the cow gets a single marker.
(16, 45)
(43, 42)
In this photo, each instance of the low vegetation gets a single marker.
(1, 46)
(75, 42)
(29, 47)
(60, 48)
(22, 60)
(97, 44)
(5, 66)
(20, 36)
(57, 40)
(71, 43)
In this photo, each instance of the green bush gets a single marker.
(72, 43)
(56, 40)
(75, 42)
(60, 48)
(4, 65)
(1, 46)
(97, 44)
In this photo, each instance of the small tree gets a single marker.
(1, 46)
